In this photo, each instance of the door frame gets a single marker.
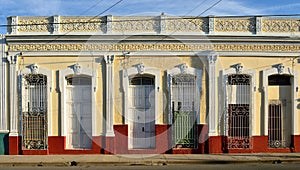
(280, 69)
(76, 69)
(68, 115)
(126, 75)
(35, 69)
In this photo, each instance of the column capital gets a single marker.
(212, 58)
(109, 59)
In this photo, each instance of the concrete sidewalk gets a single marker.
(144, 159)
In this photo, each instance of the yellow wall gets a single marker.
(60, 63)
(161, 63)
(259, 64)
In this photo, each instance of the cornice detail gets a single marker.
(155, 47)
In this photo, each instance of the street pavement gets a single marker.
(146, 159)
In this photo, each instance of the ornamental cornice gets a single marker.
(155, 47)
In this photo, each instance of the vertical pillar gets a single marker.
(13, 25)
(258, 25)
(109, 27)
(13, 106)
(56, 25)
(3, 111)
(215, 141)
(163, 24)
(211, 25)
(109, 96)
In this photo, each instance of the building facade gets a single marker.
(149, 84)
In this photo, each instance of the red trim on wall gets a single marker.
(56, 145)
(215, 144)
(121, 141)
(14, 145)
(260, 144)
(295, 143)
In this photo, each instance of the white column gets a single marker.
(109, 103)
(13, 97)
(212, 93)
(3, 111)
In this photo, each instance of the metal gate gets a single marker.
(275, 130)
(34, 112)
(238, 98)
(183, 100)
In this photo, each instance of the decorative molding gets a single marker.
(280, 69)
(35, 69)
(36, 24)
(77, 69)
(156, 47)
(235, 25)
(82, 24)
(183, 68)
(212, 58)
(140, 68)
(152, 24)
(136, 24)
(181, 24)
(238, 68)
(280, 25)
(62, 87)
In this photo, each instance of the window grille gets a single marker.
(276, 124)
(34, 112)
(238, 95)
(183, 99)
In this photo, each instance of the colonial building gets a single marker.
(149, 84)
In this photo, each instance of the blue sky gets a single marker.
(144, 7)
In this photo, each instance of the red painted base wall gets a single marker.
(14, 145)
(119, 144)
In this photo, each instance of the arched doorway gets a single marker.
(79, 112)
(141, 111)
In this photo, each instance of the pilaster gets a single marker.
(258, 25)
(109, 96)
(3, 78)
(212, 100)
(13, 97)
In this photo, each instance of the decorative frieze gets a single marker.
(235, 25)
(280, 25)
(177, 24)
(36, 24)
(82, 24)
(155, 47)
(136, 24)
(152, 24)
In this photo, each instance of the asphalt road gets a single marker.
(282, 166)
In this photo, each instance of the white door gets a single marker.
(142, 117)
(79, 117)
